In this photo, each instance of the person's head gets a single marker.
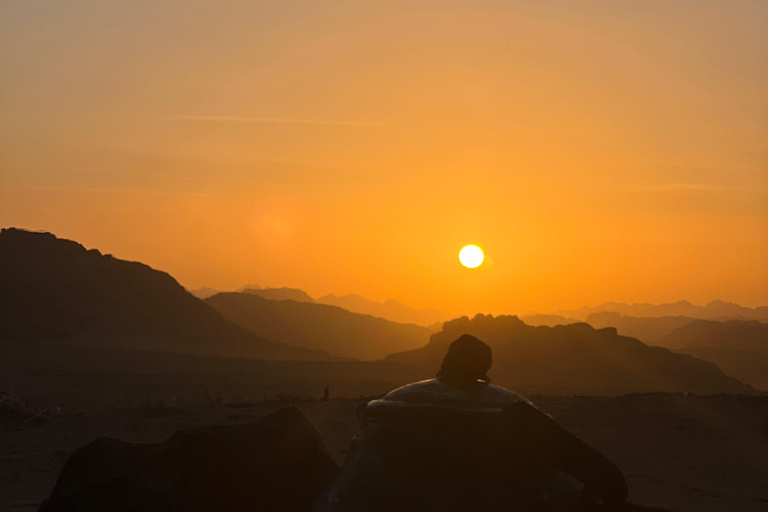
(466, 363)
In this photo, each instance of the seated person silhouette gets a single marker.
(458, 443)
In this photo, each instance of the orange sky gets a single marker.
(597, 150)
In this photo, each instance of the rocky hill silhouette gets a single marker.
(204, 292)
(55, 290)
(575, 358)
(389, 309)
(279, 293)
(738, 347)
(714, 310)
(650, 330)
(548, 320)
(318, 326)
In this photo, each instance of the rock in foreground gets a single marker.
(277, 464)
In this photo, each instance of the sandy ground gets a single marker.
(687, 453)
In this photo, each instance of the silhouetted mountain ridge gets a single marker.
(56, 290)
(548, 320)
(319, 326)
(738, 347)
(714, 310)
(389, 309)
(283, 293)
(204, 292)
(742, 334)
(575, 356)
(650, 330)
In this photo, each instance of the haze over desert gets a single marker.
(455, 256)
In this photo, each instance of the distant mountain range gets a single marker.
(254, 289)
(738, 347)
(203, 293)
(279, 294)
(390, 309)
(548, 320)
(715, 310)
(650, 330)
(575, 357)
(54, 290)
(319, 326)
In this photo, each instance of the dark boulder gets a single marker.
(277, 464)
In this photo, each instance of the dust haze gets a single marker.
(230, 271)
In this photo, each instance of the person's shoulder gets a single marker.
(436, 392)
(502, 395)
(418, 391)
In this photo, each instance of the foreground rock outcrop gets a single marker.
(277, 464)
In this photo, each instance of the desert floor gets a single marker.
(688, 453)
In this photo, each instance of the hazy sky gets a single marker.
(597, 150)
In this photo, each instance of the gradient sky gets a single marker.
(597, 150)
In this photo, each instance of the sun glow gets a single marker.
(471, 256)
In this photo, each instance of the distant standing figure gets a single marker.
(458, 443)
(326, 394)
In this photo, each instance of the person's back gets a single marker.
(460, 443)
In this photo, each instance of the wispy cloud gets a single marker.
(695, 187)
(111, 190)
(278, 120)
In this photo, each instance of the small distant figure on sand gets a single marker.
(326, 394)
(458, 443)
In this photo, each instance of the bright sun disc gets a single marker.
(471, 256)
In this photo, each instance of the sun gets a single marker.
(471, 256)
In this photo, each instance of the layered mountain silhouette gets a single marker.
(204, 292)
(319, 326)
(254, 289)
(650, 330)
(738, 347)
(715, 310)
(279, 293)
(54, 290)
(390, 309)
(575, 357)
(548, 320)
